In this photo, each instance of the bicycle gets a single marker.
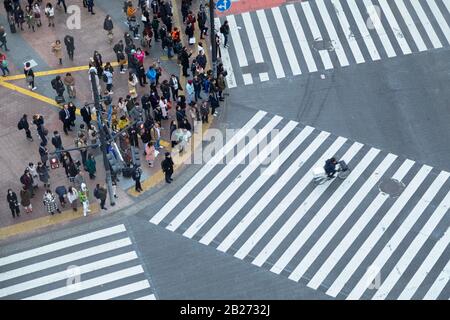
(320, 176)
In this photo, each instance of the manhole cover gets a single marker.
(320, 44)
(392, 187)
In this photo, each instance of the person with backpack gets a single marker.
(100, 193)
(23, 125)
(225, 30)
(29, 76)
(4, 64)
(58, 86)
(61, 191)
(43, 175)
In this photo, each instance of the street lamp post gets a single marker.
(212, 8)
(96, 95)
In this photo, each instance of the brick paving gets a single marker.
(16, 150)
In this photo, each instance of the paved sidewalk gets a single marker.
(17, 151)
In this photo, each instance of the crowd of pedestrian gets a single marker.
(135, 121)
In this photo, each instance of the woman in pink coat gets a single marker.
(150, 153)
(140, 55)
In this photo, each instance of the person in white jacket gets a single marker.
(72, 196)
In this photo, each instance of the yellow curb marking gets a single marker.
(39, 223)
(52, 72)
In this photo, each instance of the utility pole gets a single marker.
(98, 108)
(212, 8)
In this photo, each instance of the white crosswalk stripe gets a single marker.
(329, 233)
(329, 34)
(99, 264)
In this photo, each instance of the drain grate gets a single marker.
(391, 187)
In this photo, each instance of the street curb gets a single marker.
(40, 223)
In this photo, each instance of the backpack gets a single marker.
(105, 78)
(96, 193)
(222, 29)
(20, 125)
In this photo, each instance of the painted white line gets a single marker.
(421, 237)
(62, 244)
(234, 209)
(365, 34)
(34, 267)
(399, 235)
(187, 188)
(286, 39)
(411, 25)
(440, 18)
(426, 266)
(324, 211)
(150, 297)
(316, 34)
(273, 191)
(356, 229)
(378, 25)
(254, 44)
(264, 76)
(87, 284)
(237, 42)
(301, 38)
(257, 184)
(221, 176)
(243, 176)
(54, 277)
(426, 24)
(342, 218)
(231, 80)
(398, 33)
(247, 78)
(117, 292)
(377, 232)
(338, 49)
(439, 285)
(277, 66)
(359, 58)
(295, 218)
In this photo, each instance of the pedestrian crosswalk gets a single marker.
(311, 36)
(98, 265)
(352, 238)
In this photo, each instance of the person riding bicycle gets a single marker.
(330, 167)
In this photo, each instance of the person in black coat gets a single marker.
(137, 178)
(26, 127)
(167, 167)
(86, 114)
(70, 45)
(184, 60)
(73, 113)
(58, 86)
(13, 203)
(64, 116)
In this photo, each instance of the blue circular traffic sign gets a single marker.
(223, 5)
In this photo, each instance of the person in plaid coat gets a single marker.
(50, 202)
